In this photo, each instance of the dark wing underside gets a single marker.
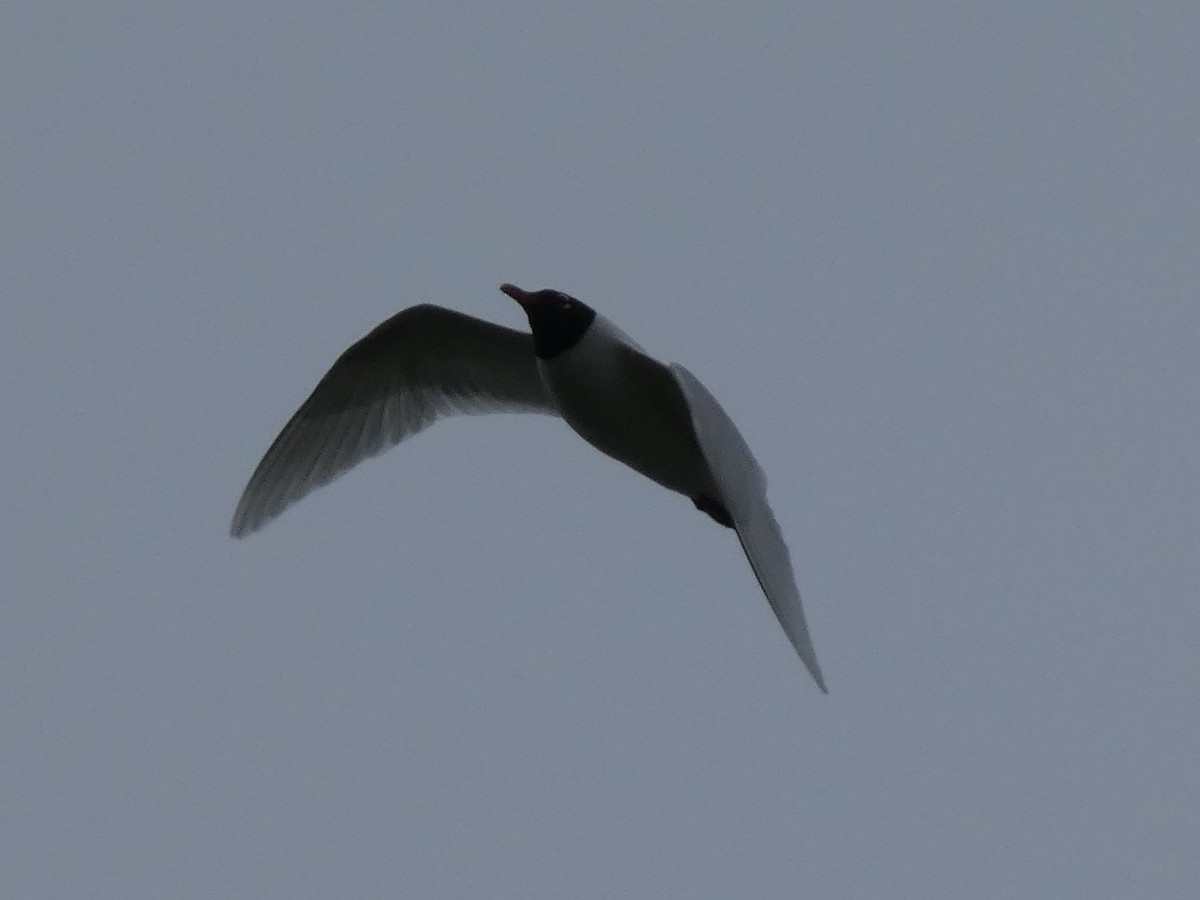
(420, 365)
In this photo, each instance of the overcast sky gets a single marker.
(938, 260)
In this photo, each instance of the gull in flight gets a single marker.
(427, 362)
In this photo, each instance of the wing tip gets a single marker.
(808, 656)
(246, 521)
(819, 679)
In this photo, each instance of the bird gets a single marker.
(427, 362)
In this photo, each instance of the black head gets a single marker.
(558, 321)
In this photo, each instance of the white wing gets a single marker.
(743, 490)
(421, 364)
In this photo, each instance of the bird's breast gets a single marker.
(629, 407)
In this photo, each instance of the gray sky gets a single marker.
(939, 261)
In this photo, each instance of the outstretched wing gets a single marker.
(421, 364)
(743, 488)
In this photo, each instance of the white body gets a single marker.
(628, 406)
